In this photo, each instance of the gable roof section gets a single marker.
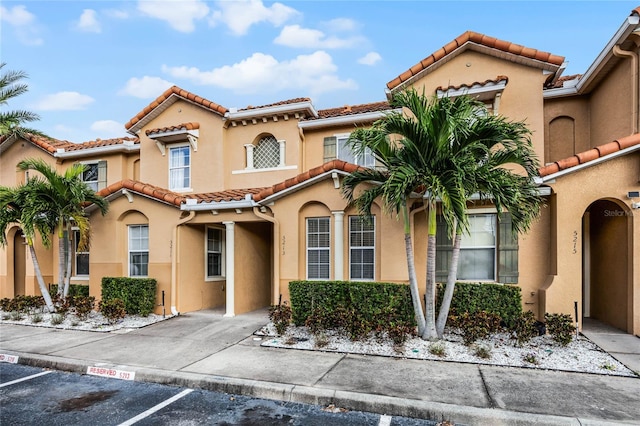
(304, 179)
(183, 126)
(162, 102)
(591, 157)
(144, 189)
(65, 149)
(348, 114)
(477, 41)
(353, 109)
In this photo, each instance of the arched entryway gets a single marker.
(606, 263)
(19, 264)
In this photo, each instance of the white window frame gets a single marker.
(130, 252)
(362, 247)
(222, 275)
(366, 160)
(494, 217)
(93, 184)
(75, 231)
(318, 249)
(172, 148)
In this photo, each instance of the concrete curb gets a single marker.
(320, 396)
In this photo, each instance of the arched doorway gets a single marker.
(19, 264)
(606, 263)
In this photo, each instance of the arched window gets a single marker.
(266, 154)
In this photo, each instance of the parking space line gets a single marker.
(155, 408)
(33, 376)
(385, 420)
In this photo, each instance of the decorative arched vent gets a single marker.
(266, 153)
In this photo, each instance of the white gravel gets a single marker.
(94, 322)
(581, 355)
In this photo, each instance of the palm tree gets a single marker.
(426, 163)
(499, 165)
(63, 197)
(18, 205)
(11, 122)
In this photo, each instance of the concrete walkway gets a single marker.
(206, 350)
(622, 346)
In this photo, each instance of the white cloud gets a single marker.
(239, 16)
(296, 36)
(115, 13)
(261, 73)
(145, 87)
(370, 58)
(63, 101)
(340, 24)
(107, 128)
(180, 15)
(24, 23)
(88, 22)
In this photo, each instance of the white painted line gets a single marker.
(160, 406)
(33, 376)
(111, 373)
(385, 420)
(11, 359)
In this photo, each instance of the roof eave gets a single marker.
(272, 110)
(110, 149)
(299, 186)
(346, 119)
(218, 205)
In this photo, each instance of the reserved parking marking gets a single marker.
(11, 359)
(111, 373)
(385, 420)
(33, 376)
(160, 406)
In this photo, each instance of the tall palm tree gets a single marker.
(63, 198)
(499, 165)
(20, 206)
(12, 122)
(425, 164)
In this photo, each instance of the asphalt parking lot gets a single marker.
(35, 396)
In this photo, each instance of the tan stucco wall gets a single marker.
(575, 192)
(567, 129)
(253, 274)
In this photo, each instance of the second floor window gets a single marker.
(338, 147)
(179, 168)
(95, 175)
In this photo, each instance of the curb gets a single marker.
(393, 406)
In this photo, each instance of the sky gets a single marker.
(93, 65)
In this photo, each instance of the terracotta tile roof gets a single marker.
(473, 37)
(52, 145)
(142, 188)
(183, 126)
(302, 177)
(497, 80)
(287, 102)
(175, 90)
(590, 155)
(228, 195)
(352, 109)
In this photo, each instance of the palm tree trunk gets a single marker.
(451, 284)
(430, 293)
(413, 280)
(43, 287)
(68, 254)
(61, 262)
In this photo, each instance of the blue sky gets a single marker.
(93, 65)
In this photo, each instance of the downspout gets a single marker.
(276, 253)
(617, 51)
(174, 262)
(302, 149)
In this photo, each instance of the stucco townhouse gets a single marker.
(224, 207)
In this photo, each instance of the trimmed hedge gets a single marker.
(74, 290)
(504, 300)
(370, 299)
(138, 294)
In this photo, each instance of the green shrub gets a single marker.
(478, 325)
(82, 306)
(503, 300)
(74, 290)
(280, 315)
(57, 319)
(138, 294)
(560, 327)
(113, 309)
(482, 351)
(524, 327)
(355, 308)
(62, 306)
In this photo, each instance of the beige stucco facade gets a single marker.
(235, 230)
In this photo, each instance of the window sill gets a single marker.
(80, 278)
(214, 279)
(179, 190)
(270, 169)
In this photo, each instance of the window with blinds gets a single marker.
(362, 248)
(318, 248)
